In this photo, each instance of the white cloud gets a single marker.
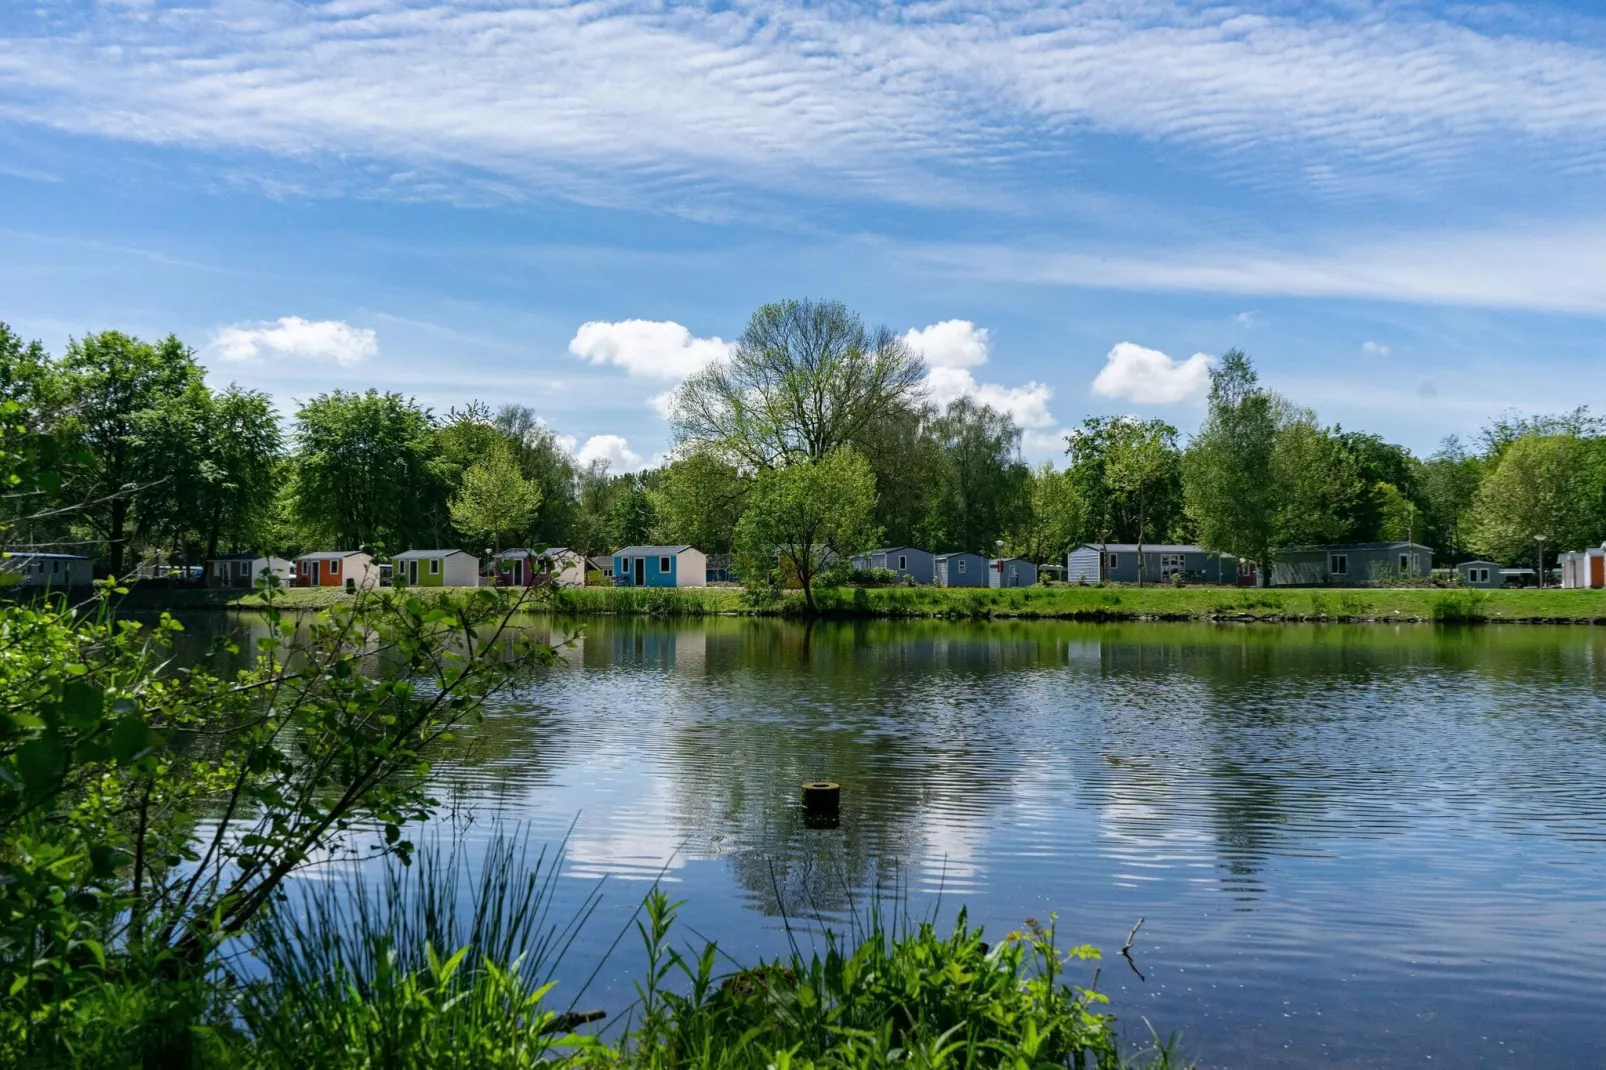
(611, 448)
(1246, 319)
(950, 344)
(952, 348)
(1149, 377)
(292, 336)
(649, 349)
(1374, 349)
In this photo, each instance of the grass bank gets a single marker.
(1050, 603)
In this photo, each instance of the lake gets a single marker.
(1351, 845)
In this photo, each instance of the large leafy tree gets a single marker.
(980, 485)
(1052, 523)
(1317, 483)
(632, 519)
(1228, 487)
(1112, 513)
(543, 459)
(363, 475)
(1449, 483)
(906, 459)
(811, 513)
(699, 501)
(494, 498)
(805, 379)
(110, 382)
(1546, 485)
(1141, 465)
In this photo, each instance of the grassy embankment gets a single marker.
(1060, 602)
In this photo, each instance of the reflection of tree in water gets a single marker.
(859, 704)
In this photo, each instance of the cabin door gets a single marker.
(412, 573)
(641, 572)
(1597, 571)
(518, 573)
(317, 573)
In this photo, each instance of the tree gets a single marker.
(1449, 484)
(108, 381)
(594, 495)
(631, 519)
(494, 498)
(1546, 485)
(1052, 523)
(906, 458)
(542, 458)
(979, 483)
(699, 501)
(1111, 513)
(805, 379)
(1227, 471)
(362, 470)
(811, 513)
(1317, 484)
(1142, 457)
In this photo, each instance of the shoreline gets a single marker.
(1288, 605)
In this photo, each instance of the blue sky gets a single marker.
(1396, 208)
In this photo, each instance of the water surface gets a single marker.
(1360, 846)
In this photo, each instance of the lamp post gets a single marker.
(1539, 554)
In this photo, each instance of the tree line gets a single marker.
(814, 435)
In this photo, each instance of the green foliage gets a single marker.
(494, 498)
(805, 379)
(1228, 485)
(1317, 483)
(1113, 511)
(699, 501)
(363, 475)
(1548, 485)
(810, 513)
(981, 486)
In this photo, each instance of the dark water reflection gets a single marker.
(1353, 845)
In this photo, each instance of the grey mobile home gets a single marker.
(1117, 562)
(1350, 564)
(1011, 572)
(1480, 574)
(962, 569)
(909, 562)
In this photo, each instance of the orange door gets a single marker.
(1597, 570)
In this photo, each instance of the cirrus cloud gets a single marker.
(1149, 377)
(292, 336)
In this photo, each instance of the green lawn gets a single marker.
(1061, 602)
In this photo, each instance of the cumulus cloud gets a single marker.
(1149, 377)
(1374, 349)
(950, 344)
(292, 336)
(614, 449)
(648, 349)
(1246, 319)
(952, 348)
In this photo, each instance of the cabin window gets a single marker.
(1338, 564)
(961, 563)
(1115, 560)
(434, 566)
(55, 568)
(1483, 575)
(903, 562)
(663, 565)
(334, 566)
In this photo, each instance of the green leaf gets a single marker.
(40, 762)
(129, 739)
(83, 705)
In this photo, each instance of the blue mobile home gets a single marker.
(1117, 562)
(909, 562)
(963, 569)
(660, 566)
(1348, 564)
(1011, 572)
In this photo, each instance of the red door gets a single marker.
(1597, 570)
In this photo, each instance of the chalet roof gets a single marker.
(329, 555)
(1148, 548)
(651, 551)
(411, 555)
(1332, 547)
(35, 554)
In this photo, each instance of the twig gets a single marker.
(1126, 950)
(569, 1020)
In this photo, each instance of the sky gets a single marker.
(1069, 208)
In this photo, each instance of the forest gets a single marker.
(816, 431)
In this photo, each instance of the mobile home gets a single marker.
(332, 568)
(660, 566)
(909, 562)
(963, 569)
(436, 568)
